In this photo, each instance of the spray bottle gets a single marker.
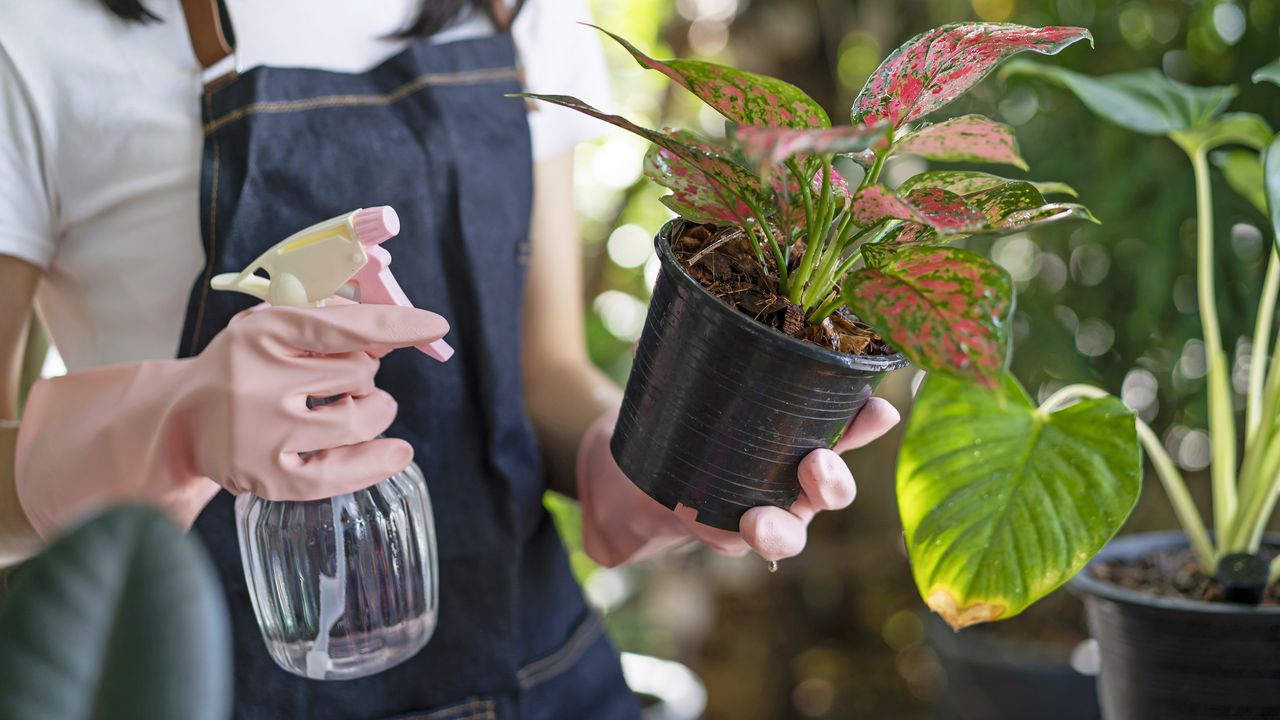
(344, 587)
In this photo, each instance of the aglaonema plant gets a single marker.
(1001, 501)
(1244, 485)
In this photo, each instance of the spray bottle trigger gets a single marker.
(375, 284)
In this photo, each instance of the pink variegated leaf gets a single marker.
(1007, 205)
(909, 233)
(960, 182)
(712, 160)
(767, 147)
(948, 310)
(935, 67)
(936, 208)
(968, 138)
(743, 97)
(1018, 205)
(694, 196)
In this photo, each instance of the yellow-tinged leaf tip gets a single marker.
(944, 603)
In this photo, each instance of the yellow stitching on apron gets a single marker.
(422, 81)
(474, 709)
(544, 669)
(207, 275)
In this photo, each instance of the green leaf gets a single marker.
(1231, 129)
(937, 66)
(743, 97)
(968, 138)
(1268, 73)
(946, 309)
(122, 618)
(1001, 502)
(1144, 101)
(1243, 172)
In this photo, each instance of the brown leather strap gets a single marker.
(204, 25)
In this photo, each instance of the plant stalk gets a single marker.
(1258, 357)
(816, 235)
(873, 173)
(1222, 434)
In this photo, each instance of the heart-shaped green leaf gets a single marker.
(946, 309)
(968, 138)
(1268, 73)
(121, 618)
(743, 97)
(936, 208)
(1002, 502)
(934, 68)
(1144, 101)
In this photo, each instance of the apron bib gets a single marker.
(430, 133)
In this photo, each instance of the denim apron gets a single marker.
(429, 133)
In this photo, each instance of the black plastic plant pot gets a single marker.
(1167, 658)
(720, 409)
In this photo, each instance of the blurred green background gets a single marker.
(839, 632)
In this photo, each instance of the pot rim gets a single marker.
(1139, 544)
(866, 363)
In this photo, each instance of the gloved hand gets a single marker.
(172, 432)
(621, 524)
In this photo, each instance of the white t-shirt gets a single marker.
(100, 141)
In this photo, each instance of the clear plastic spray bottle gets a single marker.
(344, 587)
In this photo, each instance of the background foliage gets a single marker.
(839, 633)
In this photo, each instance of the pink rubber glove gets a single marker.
(172, 432)
(621, 524)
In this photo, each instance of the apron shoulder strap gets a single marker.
(212, 49)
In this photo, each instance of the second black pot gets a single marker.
(1172, 659)
(719, 409)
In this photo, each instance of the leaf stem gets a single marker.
(833, 268)
(1222, 435)
(1174, 486)
(816, 236)
(819, 286)
(873, 173)
(1258, 358)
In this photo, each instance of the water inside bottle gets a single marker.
(325, 620)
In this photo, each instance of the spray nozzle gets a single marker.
(340, 256)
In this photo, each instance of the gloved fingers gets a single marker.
(338, 470)
(826, 481)
(350, 328)
(875, 419)
(774, 533)
(343, 374)
(720, 541)
(347, 421)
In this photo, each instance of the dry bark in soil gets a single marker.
(1173, 573)
(723, 261)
